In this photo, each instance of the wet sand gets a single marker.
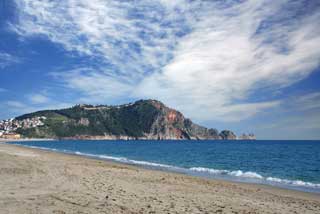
(35, 181)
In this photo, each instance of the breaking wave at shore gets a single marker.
(207, 172)
(238, 175)
(254, 175)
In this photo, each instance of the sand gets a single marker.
(35, 181)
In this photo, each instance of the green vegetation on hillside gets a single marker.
(143, 119)
(131, 120)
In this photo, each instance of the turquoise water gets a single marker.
(288, 164)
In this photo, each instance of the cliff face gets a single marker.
(144, 119)
(171, 124)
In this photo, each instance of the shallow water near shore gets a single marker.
(288, 164)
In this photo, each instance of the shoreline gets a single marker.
(28, 172)
(303, 186)
(151, 168)
(4, 140)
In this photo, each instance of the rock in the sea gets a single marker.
(227, 135)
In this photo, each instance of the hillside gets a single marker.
(144, 119)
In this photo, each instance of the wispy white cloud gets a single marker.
(205, 58)
(130, 37)
(296, 127)
(3, 90)
(14, 108)
(296, 117)
(96, 86)
(7, 60)
(225, 59)
(306, 102)
(235, 112)
(15, 104)
(38, 98)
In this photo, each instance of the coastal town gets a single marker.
(9, 127)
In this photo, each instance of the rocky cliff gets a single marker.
(144, 119)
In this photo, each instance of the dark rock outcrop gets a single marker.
(228, 135)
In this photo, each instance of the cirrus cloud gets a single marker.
(7, 60)
(206, 58)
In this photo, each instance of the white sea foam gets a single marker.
(135, 162)
(145, 163)
(293, 182)
(207, 170)
(237, 173)
(125, 160)
(254, 175)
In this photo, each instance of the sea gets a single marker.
(287, 164)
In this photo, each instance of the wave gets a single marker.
(239, 175)
(235, 173)
(126, 160)
(254, 175)
(293, 182)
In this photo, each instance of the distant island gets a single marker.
(141, 120)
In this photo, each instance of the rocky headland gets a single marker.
(141, 120)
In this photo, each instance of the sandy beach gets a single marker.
(35, 181)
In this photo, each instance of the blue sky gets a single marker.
(249, 66)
